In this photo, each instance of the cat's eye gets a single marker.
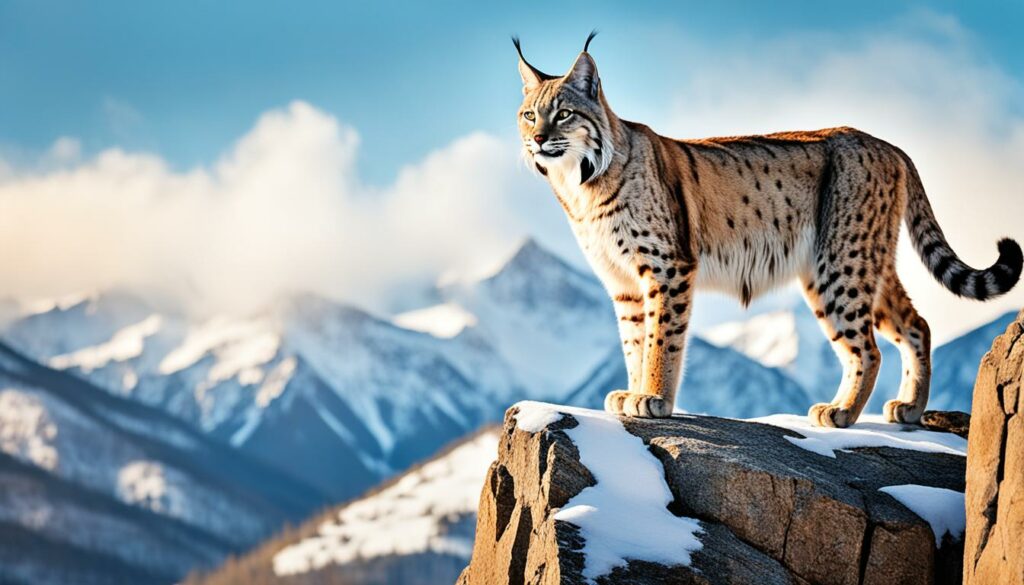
(529, 115)
(563, 115)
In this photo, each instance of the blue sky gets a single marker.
(186, 79)
(225, 153)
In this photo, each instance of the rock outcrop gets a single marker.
(994, 540)
(773, 505)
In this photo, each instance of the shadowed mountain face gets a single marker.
(114, 488)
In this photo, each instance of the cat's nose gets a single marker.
(539, 139)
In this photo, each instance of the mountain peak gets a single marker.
(530, 254)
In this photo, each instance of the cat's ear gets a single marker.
(532, 77)
(583, 75)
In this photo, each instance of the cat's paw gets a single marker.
(830, 415)
(629, 403)
(896, 411)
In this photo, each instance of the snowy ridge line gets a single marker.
(125, 344)
(408, 515)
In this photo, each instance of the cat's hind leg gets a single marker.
(898, 321)
(846, 321)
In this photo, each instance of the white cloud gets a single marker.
(282, 211)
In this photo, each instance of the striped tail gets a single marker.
(942, 261)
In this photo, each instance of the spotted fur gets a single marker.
(657, 217)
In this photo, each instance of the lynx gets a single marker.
(657, 217)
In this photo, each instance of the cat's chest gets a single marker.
(604, 232)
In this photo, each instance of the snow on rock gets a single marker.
(405, 518)
(534, 416)
(943, 509)
(445, 320)
(868, 431)
(625, 472)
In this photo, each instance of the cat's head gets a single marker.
(563, 121)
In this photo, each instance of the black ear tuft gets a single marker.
(590, 37)
(519, 49)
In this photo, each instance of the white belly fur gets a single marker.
(740, 265)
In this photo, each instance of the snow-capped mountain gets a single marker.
(98, 480)
(546, 319)
(310, 379)
(416, 530)
(307, 381)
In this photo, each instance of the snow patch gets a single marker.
(941, 508)
(868, 431)
(625, 515)
(445, 320)
(26, 430)
(126, 344)
(533, 417)
(275, 382)
(239, 346)
(151, 485)
(408, 517)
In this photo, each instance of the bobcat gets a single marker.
(657, 217)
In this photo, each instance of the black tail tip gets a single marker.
(1010, 255)
(1012, 260)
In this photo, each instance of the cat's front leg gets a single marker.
(629, 309)
(668, 295)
